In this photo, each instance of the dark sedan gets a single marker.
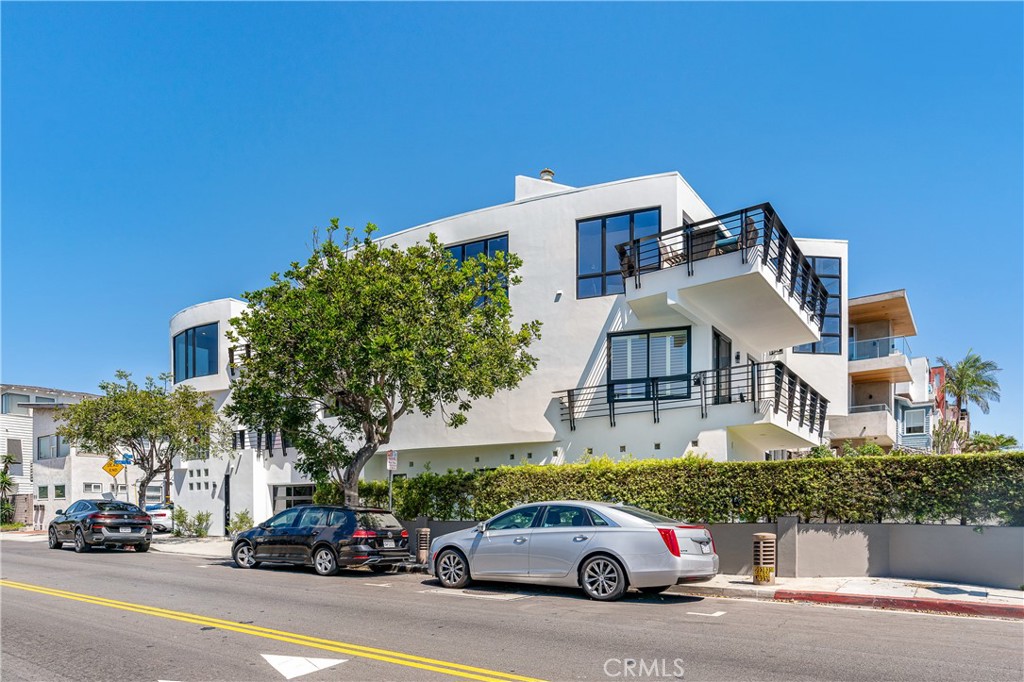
(326, 538)
(101, 523)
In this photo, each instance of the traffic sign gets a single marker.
(113, 468)
(392, 460)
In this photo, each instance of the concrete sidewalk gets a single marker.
(207, 548)
(890, 593)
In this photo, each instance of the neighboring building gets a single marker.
(50, 470)
(893, 398)
(667, 329)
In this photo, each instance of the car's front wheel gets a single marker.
(452, 569)
(81, 546)
(324, 561)
(244, 556)
(54, 542)
(603, 579)
(142, 547)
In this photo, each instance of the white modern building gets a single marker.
(668, 328)
(50, 473)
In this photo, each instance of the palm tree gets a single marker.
(972, 380)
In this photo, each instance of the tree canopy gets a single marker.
(151, 423)
(364, 333)
(972, 380)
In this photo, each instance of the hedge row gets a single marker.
(965, 488)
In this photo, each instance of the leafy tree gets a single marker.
(983, 442)
(153, 424)
(972, 380)
(819, 451)
(363, 334)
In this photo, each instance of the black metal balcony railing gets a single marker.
(753, 232)
(237, 355)
(767, 386)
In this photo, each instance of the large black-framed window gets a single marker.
(195, 352)
(636, 357)
(829, 271)
(597, 263)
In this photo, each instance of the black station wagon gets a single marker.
(326, 538)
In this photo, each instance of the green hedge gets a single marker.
(968, 488)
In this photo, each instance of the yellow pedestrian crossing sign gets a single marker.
(113, 468)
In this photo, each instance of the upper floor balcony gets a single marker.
(765, 402)
(742, 269)
(884, 359)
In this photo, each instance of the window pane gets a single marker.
(63, 447)
(206, 350)
(588, 287)
(590, 248)
(831, 285)
(44, 492)
(180, 365)
(46, 401)
(10, 403)
(628, 357)
(565, 517)
(833, 306)
(472, 250)
(456, 252)
(669, 353)
(616, 232)
(613, 284)
(804, 348)
(829, 345)
(517, 518)
(497, 244)
(830, 326)
(826, 266)
(646, 223)
(58, 492)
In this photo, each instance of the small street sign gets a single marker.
(392, 460)
(113, 468)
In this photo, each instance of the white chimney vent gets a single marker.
(547, 175)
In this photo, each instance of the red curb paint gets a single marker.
(905, 603)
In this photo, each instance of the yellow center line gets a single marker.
(384, 655)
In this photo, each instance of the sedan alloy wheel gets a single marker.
(324, 561)
(81, 545)
(603, 579)
(54, 542)
(245, 556)
(452, 570)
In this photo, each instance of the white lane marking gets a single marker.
(22, 538)
(716, 614)
(476, 595)
(378, 584)
(296, 666)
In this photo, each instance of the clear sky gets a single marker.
(159, 155)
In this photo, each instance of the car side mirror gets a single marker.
(60, 512)
(481, 527)
(264, 525)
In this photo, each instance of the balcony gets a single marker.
(883, 359)
(765, 397)
(742, 269)
(873, 423)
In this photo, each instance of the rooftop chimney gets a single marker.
(547, 175)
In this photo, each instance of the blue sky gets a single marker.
(159, 155)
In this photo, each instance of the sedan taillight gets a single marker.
(405, 533)
(671, 541)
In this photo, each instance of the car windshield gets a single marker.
(645, 515)
(117, 506)
(377, 520)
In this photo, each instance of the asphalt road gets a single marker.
(113, 615)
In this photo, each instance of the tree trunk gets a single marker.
(352, 471)
(141, 486)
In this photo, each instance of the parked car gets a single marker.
(101, 523)
(603, 548)
(162, 515)
(326, 538)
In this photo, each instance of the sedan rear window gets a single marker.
(645, 515)
(117, 506)
(378, 520)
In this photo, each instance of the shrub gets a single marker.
(870, 450)
(182, 526)
(239, 522)
(201, 524)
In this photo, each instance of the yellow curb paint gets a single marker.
(384, 655)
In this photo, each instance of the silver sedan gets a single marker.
(603, 548)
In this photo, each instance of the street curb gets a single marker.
(904, 603)
(760, 593)
(154, 548)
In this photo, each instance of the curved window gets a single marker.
(195, 352)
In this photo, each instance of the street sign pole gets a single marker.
(392, 467)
